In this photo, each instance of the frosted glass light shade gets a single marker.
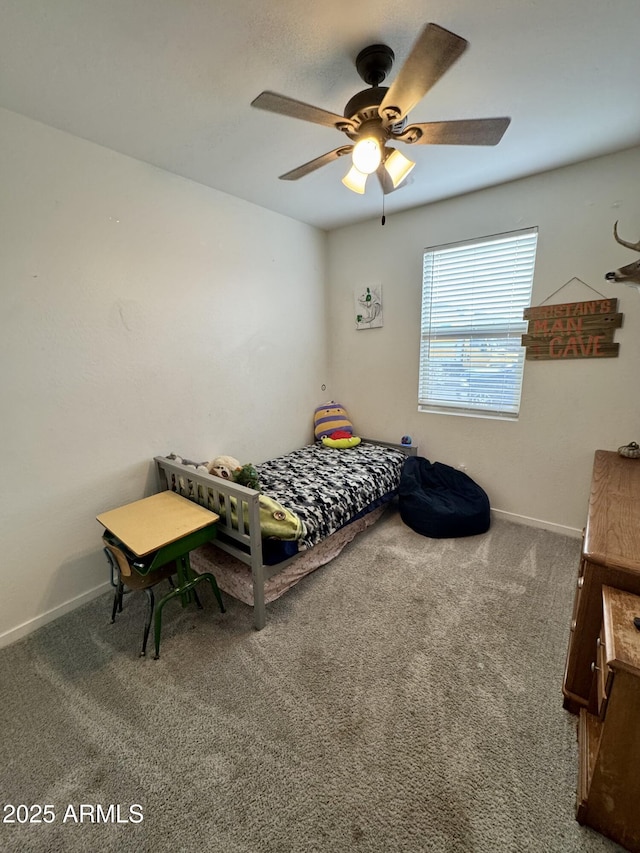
(398, 166)
(355, 180)
(367, 155)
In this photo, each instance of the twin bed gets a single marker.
(311, 503)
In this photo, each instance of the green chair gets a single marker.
(123, 574)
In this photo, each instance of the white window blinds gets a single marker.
(473, 296)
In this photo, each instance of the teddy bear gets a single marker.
(224, 466)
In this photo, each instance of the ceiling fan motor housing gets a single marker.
(373, 63)
(363, 107)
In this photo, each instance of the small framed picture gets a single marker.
(369, 307)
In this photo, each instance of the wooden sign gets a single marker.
(572, 330)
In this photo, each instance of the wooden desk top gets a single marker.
(612, 536)
(149, 524)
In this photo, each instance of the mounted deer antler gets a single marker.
(634, 246)
(631, 273)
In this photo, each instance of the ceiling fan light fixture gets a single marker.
(367, 155)
(379, 114)
(398, 167)
(355, 180)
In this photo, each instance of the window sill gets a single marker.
(468, 413)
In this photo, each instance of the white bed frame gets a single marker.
(244, 540)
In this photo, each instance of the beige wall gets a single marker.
(141, 314)
(537, 468)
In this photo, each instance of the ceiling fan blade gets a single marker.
(312, 165)
(285, 106)
(435, 50)
(475, 131)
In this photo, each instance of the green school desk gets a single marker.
(163, 528)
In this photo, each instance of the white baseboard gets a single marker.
(31, 625)
(574, 532)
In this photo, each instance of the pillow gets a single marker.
(330, 417)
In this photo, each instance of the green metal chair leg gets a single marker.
(185, 591)
(117, 600)
(157, 622)
(182, 592)
(214, 586)
(147, 626)
(189, 575)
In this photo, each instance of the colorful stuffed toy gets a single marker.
(333, 427)
(229, 468)
(247, 476)
(341, 439)
(330, 417)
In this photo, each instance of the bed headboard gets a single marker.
(407, 449)
(238, 507)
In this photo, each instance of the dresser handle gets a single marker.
(574, 622)
(594, 668)
(598, 642)
(580, 582)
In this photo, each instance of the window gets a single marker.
(473, 296)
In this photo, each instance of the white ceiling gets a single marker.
(170, 82)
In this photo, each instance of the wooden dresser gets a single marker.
(608, 795)
(611, 556)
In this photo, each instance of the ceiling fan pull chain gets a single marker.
(384, 218)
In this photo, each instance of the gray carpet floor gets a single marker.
(406, 697)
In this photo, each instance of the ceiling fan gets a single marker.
(378, 115)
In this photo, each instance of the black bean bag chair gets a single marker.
(441, 502)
